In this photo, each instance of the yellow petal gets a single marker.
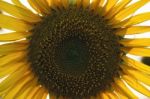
(39, 94)
(13, 78)
(33, 92)
(11, 23)
(85, 3)
(94, 4)
(65, 3)
(120, 95)
(3, 93)
(13, 47)
(137, 19)
(139, 42)
(14, 36)
(19, 12)
(18, 86)
(112, 95)
(138, 51)
(40, 6)
(124, 88)
(133, 30)
(27, 89)
(25, 93)
(4, 71)
(128, 11)
(57, 3)
(119, 92)
(18, 3)
(45, 96)
(101, 4)
(11, 57)
(136, 85)
(117, 8)
(104, 96)
(144, 78)
(109, 4)
(137, 65)
(43, 5)
(32, 4)
(120, 24)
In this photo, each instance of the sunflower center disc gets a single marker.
(74, 53)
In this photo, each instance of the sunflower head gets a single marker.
(73, 49)
(74, 46)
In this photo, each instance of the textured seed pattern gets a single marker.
(103, 58)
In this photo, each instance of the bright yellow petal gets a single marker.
(11, 23)
(119, 92)
(4, 71)
(101, 4)
(27, 89)
(120, 24)
(109, 5)
(141, 77)
(104, 96)
(24, 94)
(133, 30)
(45, 96)
(18, 3)
(34, 7)
(144, 78)
(138, 51)
(40, 93)
(94, 4)
(11, 57)
(33, 92)
(19, 12)
(137, 65)
(13, 47)
(14, 36)
(120, 95)
(85, 3)
(125, 89)
(137, 19)
(112, 95)
(56, 3)
(117, 8)
(139, 42)
(13, 78)
(128, 11)
(18, 86)
(40, 6)
(136, 85)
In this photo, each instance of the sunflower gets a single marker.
(73, 49)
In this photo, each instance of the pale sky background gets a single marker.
(146, 8)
